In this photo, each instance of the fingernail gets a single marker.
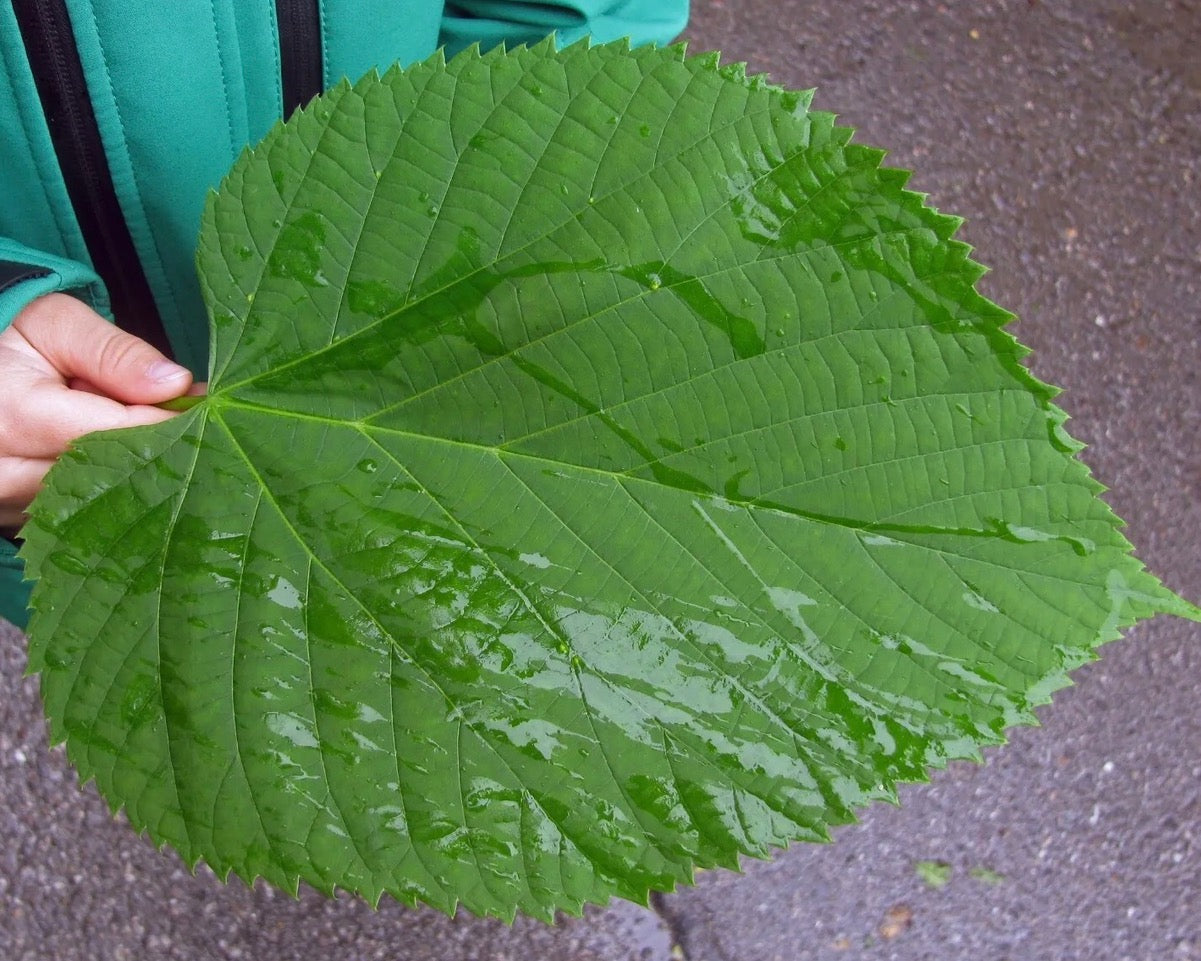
(162, 371)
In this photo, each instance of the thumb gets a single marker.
(80, 344)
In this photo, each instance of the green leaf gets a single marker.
(934, 874)
(607, 470)
(987, 876)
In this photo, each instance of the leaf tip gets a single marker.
(1167, 601)
(1189, 611)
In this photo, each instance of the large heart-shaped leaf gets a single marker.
(607, 470)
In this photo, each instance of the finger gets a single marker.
(79, 343)
(20, 480)
(51, 416)
(198, 388)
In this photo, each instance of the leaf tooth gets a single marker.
(647, 55)
(371, 892)
(573, 908)
(794, 102)
(869, 156)
(373, 78)
(472, 51)
(498, 52)
(735, 70)
(951, 223)
(621, 45)
(508, 913)
(549, 44)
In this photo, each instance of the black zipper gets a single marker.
(45, 27)
(300, 61)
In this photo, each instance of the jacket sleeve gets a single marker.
(26, 274)
(512, 22)
(14, 591)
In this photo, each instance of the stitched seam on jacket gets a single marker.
(108, 78)
(321, 20)
(225, 86)
(277, 56)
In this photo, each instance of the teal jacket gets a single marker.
(118, 117)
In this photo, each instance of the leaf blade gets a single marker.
(607, 470)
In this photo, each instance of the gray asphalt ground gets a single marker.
(1069, 133)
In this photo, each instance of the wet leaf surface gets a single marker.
(608, 469)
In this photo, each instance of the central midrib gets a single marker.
(217, 404)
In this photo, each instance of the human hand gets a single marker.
(66, 371)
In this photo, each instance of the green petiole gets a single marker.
(186, 402)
